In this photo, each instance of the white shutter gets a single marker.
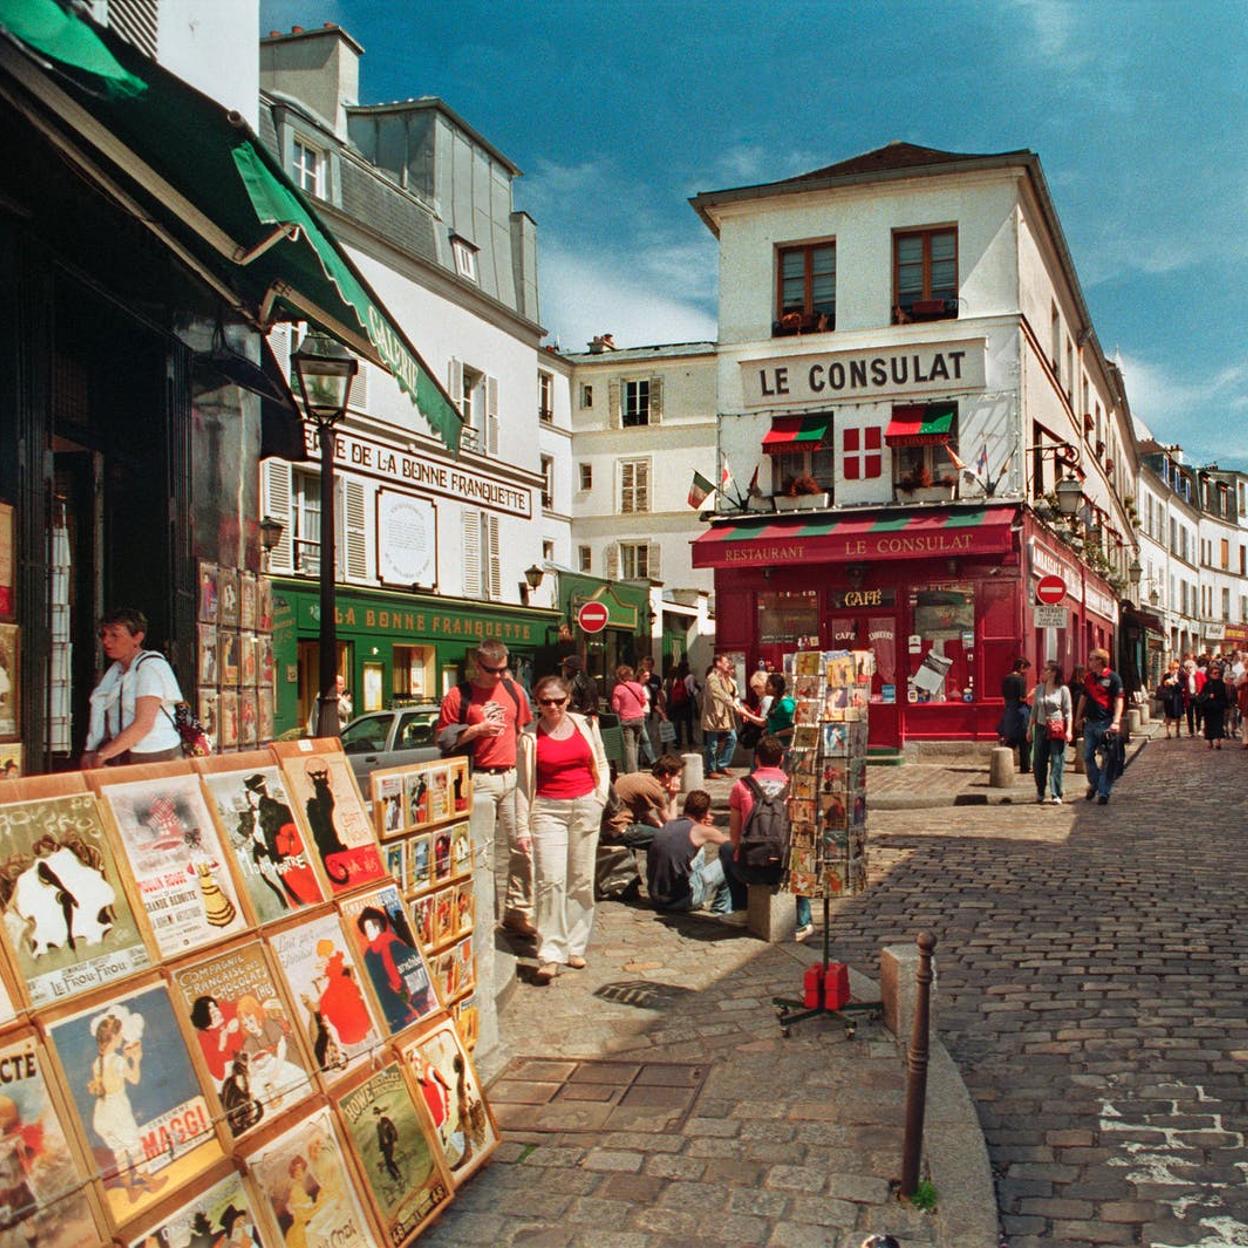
(491, 415)
(275, 502)
(625, 485)
(279, 344)
(356, 533)
(472, 554)
(613, 561)
(455, 385)
(614, 417)
(656, 400)
(653, 562)
(358, 398)
(641, 485)
(493, 567)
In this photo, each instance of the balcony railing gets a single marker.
(803, 323)
(546, 415)
(925, 310)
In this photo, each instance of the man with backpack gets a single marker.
(758, 825)
(481, 718)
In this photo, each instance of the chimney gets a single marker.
(602, 343)
(320, 68)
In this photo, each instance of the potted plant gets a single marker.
(922, 487)
(801, 493)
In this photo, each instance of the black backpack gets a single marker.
(765, 836)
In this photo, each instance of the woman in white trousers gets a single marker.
(561, 787)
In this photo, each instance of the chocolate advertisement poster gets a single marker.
(326, 992)
(342, 833)
(245, 1036)
(443, 1072)
(220, 1217)
(66, 919)
(177, 861)
(391, 956)
(44, 1203)
(467, 1016)
(148, 1127)
(402, 1172)
(268, 845)
(307, 1187)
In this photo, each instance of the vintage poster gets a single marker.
(441, 855)
(147, 1126)
(392, 958)
(207, 613)
(247, 660)
(264, 715)
(463, 1126)
(66, 919)
(245, 1036)
(403, 1174)
(326, 991)
(227, 597)
(264, 604)
(444, 915)
(177, 861)
(806, 737)
(263, 646)
(227, 717)
(420, 862)
(461, 786)
(307, 1187)
(209, 711)
(467, 1017)
(342, 832)
(9, 679)
(11, 761)
(465, 909)
(227, 657)
(43, 1202)
(395, 858)
(220, 1217)
(207, 660)
(246, 600)
(417, 804)
(461, 849)
(423, 909)
(248, 715)
(388, 803)
(8, 600)
(465, 965)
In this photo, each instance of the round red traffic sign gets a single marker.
(1050, 590)
(592, 617)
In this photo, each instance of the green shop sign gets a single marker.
(402, 621)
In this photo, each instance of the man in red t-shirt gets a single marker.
(498, 709)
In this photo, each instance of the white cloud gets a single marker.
(1056, 40)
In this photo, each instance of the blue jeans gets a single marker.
(706, 881)
(718, 749)
(1098, 774)
(738, 889)
(1048, 760)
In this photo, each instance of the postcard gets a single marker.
(806, 711)
(416, 784)
(444, 915)
(803, 786)
(227, 586)
(420, 862)
(465, 908)
(832, 778)
(803, 763)
(806, 737)
(67, 921)
(442, 855)
(394, 855)
(227, 717)
(807, 663)
(207, 612)
(206, 664)
(864, 665)
(461, 786)
(808, 687)
(801, 811)
(840, 669)
(461, 848)
(220, 1217)
(246, 600)
(467, 1015)
(423, 909)
(835, 739)
(388, 803)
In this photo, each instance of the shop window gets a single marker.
(925, 275)
(942, 643)
(861, 451)
(806, 296)
(414, 672)
(789, 618)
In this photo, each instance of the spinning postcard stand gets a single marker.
(828, 813)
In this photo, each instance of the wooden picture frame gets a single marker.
(264, 715)
(227, 597)
(207, 656)
(227, 718)
(218, 1208)
(228, 660)
(10, 680)
(208, 705)
(264, 605)
(248, 718)
(208, 606)
(246, 600)
(247, 659)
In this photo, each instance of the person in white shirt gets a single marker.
(133, 705)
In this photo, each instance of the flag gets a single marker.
(726, 482)
(981, 464)
(954, 459)
(699, 490)
(754, 491)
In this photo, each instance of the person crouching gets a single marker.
(679, 876)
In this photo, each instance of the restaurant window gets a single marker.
(307, 167)
(944, 629)
(789, 618)
(925, 275)
(306, 514)
(923, 467)
(414, 672)
(862, 453)
(545, 397)
(806, 294)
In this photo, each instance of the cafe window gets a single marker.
(785, 469)
(941, 643)
(789, 617)
(925, 275)
(414, 672)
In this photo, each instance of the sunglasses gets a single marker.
(551, 701)
(494, 671)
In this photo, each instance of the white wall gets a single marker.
(213, 45)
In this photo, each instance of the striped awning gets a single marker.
(928, 424)
(796, 433)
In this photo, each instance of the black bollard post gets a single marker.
(916, 1068)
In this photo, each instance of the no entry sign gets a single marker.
(1050, 590)
(592, 617)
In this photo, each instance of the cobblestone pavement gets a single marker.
(1091, 975)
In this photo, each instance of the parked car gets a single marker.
(390, 739)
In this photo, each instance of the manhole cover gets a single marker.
(541, 1094)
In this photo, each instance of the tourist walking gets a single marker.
(1241, 699)
(719, 719)
(1049, 731)
(1193, 685)
(561, 788)
(1012, 728)
(1100, 714)
(628, 701)
(680, 703)
(1170, 695)
(656, 710)
(1215, 701)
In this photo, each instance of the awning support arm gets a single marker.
(287, 230)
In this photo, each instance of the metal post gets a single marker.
(327, 695)
(916, 1068)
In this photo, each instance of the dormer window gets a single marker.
(308, 167)
(465, 258)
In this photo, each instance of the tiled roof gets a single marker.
(625, 354)
(894, 155)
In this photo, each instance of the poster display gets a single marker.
(10, 677)
(67, 921)
(219, 1217)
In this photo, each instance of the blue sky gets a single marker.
(618, 111)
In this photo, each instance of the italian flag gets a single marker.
(699, 490)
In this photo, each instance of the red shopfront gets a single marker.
(942, 596)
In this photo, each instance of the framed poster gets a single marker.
(11, 761)
(247, 659)
(10, 679)
(248, 717)
(306, 1186)
(403, 1173)
(207, 660)
(228, 658)
(321, 782)
(247, 1044)
(258, 825)
(67, 921)
(227, 597)
(264, 660)
(443, 1073)
(325, 988)
(139, 1107)
(227, 717)
(247, 600)
(264, 716)
(264, 604)
(393, 961)
(219, 1217)
(175, 857)
(209, 711)
(208, 595)
(45, 1203)
(8, 598)
(407, 540)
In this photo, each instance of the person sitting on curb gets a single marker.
(641, 802)
(679, 876)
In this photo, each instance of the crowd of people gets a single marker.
(1210, 694)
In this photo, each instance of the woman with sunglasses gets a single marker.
(561, 789)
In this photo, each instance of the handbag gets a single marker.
(750, 736)
(195, 741)
(1055, 726)
(667, 731)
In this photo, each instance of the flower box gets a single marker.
(801, 502)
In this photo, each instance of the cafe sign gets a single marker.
(850, 599)
(851, 376)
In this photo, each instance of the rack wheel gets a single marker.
(850, 1032)
(784, 1033)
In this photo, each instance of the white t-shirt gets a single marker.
(112, 704)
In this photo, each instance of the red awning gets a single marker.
(856, 537)
(796, 433)
(927, 424)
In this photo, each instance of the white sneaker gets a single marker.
(802, 932)
(1055, 800)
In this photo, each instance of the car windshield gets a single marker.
(366, 734)
(415, 730)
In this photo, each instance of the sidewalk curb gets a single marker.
(953, 1140)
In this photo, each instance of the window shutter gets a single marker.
(472, 554)
(356, 534)
(358, 398)
(614, 417)
(455, 384)
(491, 415)
(275, 502)
(656, 400)
(653, 561)
(613, 561)
(641, 487)
(493, 567)
(279, 344)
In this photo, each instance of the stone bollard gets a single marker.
(771, 916)
(691, 777)
(1145, 714)
(898, 989)
(1001, 768)
(1134, 722)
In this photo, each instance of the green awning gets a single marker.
(201, 180)
(796, 433)
(921, 425)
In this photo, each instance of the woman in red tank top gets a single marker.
(561, 788)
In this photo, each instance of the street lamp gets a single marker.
(324, 368)
(1134, 572)
(532, 579)
(1069, 496)
(270, 534)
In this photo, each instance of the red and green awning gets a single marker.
(856, 537)
(796, 433)
(928, 424)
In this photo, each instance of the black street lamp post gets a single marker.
(324, 369)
